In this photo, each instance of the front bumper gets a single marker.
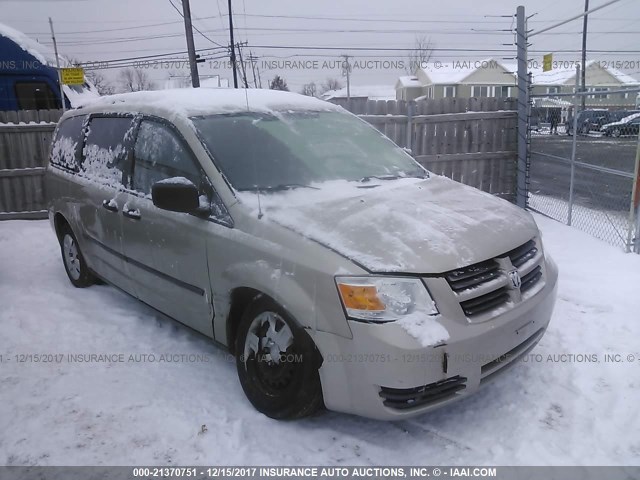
(384, 373)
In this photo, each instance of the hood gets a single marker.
(412, 225)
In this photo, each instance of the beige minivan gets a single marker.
(336, 269)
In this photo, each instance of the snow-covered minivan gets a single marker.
(336, 269)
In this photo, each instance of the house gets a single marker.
(470, 78)
(491, 78)
(600, 78)
(359, 95)
(29, 78)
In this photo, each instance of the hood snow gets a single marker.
(410, 225)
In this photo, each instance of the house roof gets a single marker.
(408, 81)
(563, 76)
(372, 92)
(451, 73)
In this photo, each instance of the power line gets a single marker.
(193, 26)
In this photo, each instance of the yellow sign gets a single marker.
(547, 62)
(72, 76)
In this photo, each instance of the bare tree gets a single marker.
(134, 80)
(278, 83)
(330, 84)
(309, 89)
(100, 82)
(420, 55)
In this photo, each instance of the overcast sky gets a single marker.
(459, 30)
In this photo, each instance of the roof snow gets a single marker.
(409, 81)
(42, 53)
(189, 102)
(456, 72)
(372, 92)
(564, 76)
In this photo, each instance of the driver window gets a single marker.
(159, 154)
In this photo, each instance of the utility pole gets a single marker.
(188, 30)
(252, 59)
(523, 104)
(233, 49)
(242, 67)
(584, 53)
(55, 51)
(346, 69)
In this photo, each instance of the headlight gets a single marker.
(384, 299)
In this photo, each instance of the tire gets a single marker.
(73, 260)
(289, 387)
(616, 132)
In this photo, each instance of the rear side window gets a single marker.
(105, 151)
(65, 150)
(159, 153)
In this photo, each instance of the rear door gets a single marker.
(104, 169)
(166, 251)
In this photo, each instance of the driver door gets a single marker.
(166, 251)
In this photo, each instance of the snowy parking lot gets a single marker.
(574, 401)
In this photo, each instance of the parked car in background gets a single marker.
(336, 269)
(629, 125)
(589, 120)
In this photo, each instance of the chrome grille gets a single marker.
(472, 276)
(485, 302)
(519, 256)
(483, 287)
(531, 278)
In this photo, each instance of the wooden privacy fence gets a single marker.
(25, 137)
(471, 140)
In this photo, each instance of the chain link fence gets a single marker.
(583, 168)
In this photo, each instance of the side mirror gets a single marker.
(408, 151)
(176, 194)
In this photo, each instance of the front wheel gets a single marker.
(73, 260)
(277, 362)
(616, 132)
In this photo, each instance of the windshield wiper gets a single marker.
(391, 177)
(379, 177)
(277, 188)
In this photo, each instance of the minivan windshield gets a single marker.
(281, 150)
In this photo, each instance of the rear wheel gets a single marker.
(277, 362)
(73, 260)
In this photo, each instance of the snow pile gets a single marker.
(557, 408)
(80, 95)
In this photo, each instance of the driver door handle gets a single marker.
(132, 213)
(110, 205)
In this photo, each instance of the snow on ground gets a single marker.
(116, 413)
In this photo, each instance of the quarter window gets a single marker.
(66, 146)
(105, 150)
(160, 154)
